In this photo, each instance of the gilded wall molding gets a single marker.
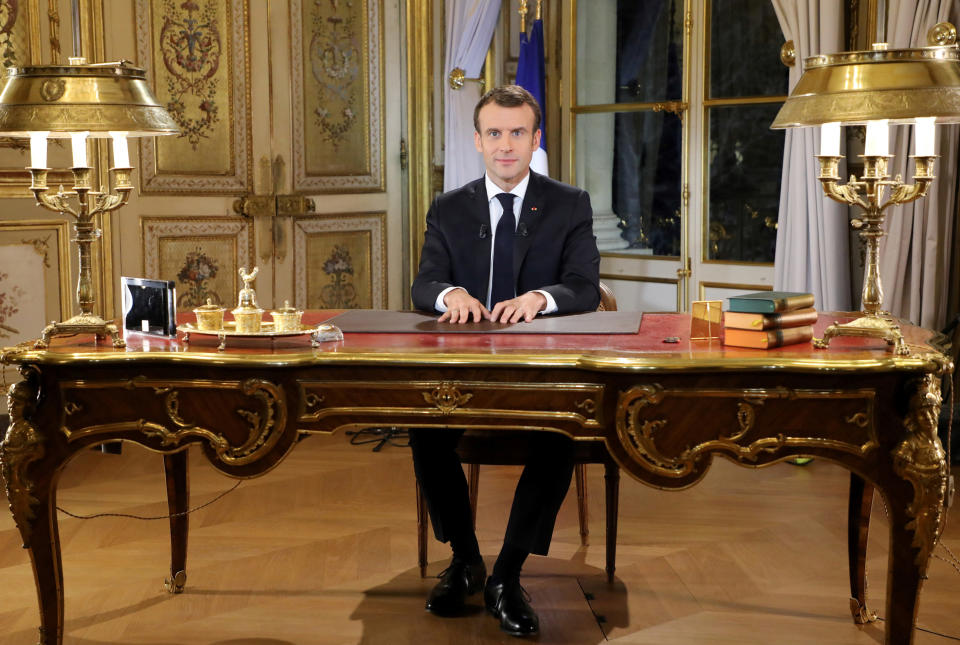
(155, 231)
(312, 274)
(211, 108)
(337, 84)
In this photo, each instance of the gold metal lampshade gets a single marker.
(860, 86)
(96, 98)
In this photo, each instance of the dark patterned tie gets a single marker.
(503, 287)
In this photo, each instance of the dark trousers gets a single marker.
(540, 491)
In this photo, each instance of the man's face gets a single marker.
(507, 140)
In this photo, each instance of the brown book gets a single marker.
(798, 318)
(767, 339)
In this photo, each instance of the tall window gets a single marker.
(745, 88)
(674, 97)
(648, 144)
(628, 148)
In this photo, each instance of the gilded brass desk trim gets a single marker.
(266, 426)
(625, 362)
(453, 399)
(638, 433)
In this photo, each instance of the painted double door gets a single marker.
(288, 157)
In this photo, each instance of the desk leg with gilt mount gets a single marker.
(916, 505)
(883, 430)
(858, 529)
(239, 423)
(31, 492)
(178, 501)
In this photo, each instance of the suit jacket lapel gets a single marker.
(530, 218)
(479, 220)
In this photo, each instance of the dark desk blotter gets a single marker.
(416, 322)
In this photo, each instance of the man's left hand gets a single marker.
(524, 307)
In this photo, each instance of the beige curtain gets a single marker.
(470, 26)
(812, 231)
(916, 255)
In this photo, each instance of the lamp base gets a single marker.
(869, 326)
(81, 324)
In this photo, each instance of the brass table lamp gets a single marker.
(78, 101)
(877, 88)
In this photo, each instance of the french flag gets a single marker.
(531, 76)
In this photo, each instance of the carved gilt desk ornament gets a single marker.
(78, 101)
(248, 319)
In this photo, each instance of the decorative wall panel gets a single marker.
(197, 61)
(337, 95)
(34, 278)
(19, 45)
(340, 261)
(201, 254)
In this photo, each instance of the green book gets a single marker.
(768, 302)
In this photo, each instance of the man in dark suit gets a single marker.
(507, 247)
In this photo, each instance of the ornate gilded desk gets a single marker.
(664, 411)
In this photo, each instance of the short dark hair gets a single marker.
(508, 96)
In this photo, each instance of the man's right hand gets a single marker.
(460, 306)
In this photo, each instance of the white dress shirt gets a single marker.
(496, 212)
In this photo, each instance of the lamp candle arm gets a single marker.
(829, 177)
(923, 177)
(89, 204)
(57, 203)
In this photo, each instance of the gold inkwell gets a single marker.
(209, 316)
(286, 318)
(248, 314)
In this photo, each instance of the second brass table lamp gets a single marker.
(877, 88)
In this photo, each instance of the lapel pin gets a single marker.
(533, 208)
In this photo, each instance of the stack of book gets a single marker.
(769, 319)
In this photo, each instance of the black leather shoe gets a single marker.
(509, 603)
(457, 581)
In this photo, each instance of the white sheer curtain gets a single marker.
(470, 25)
(812, 231)
(915, 256)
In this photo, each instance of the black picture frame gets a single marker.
(149, 306)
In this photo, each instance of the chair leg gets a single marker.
(422, 522)
(611, 475)
(580, 476)
(473, 479)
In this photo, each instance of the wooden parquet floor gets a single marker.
(323, 551)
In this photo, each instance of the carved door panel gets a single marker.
(280, 162)
(341, 148)
(179, 224)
